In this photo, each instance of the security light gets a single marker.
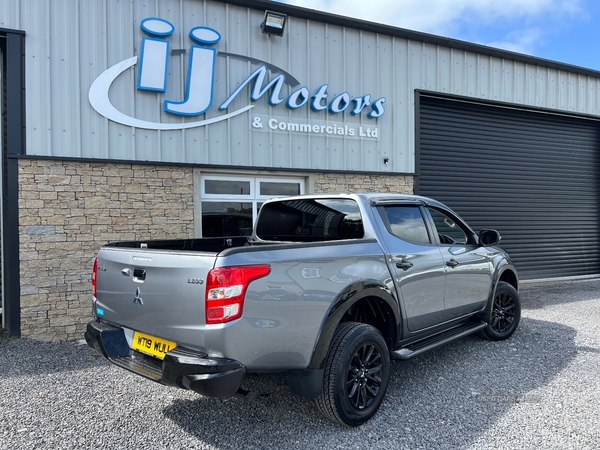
(274, 23)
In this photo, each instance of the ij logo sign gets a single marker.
(153, 72)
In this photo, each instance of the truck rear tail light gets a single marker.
(94, 278)
(226, 290)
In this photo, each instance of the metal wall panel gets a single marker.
(532, 176)
(2, 176)
(69, 43)
(65, 86)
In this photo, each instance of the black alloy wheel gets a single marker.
(505, 313)
(356, 374)
(364, 376)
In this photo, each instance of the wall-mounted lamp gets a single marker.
(274, 23)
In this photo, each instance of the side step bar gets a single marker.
(416, 348)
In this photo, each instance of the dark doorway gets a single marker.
(12, 53)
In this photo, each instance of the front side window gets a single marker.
(405, 222)
(449, 232)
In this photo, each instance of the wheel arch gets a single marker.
(369, 302)
(507, 273)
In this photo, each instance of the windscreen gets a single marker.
(310, 220)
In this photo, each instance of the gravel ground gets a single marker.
(539, 389)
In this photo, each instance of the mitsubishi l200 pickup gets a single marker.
(328, 288)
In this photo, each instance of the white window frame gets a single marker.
(221, 197)
(254, 197)
(258, 180)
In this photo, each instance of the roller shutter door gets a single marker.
(533, 176)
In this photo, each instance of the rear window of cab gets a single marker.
(307, 220)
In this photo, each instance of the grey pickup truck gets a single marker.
(329, 288)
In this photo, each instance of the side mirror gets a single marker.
(489, 237)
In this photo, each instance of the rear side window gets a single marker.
(310, 220)
(405, 222)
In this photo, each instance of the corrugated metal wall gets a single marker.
(2, 140)
(71, 42)
(533, 176)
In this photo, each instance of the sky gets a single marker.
(561, 30)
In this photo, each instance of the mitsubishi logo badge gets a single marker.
(138, 298)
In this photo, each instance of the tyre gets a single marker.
(356, 374)
(504, 315)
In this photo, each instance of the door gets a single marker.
(469, 267)
(534, 176)
(416, 263)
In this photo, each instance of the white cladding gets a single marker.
(70, 43)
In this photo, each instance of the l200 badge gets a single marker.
(141, 258)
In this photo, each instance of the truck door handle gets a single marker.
(404, 265)
(139, 274)
(452, 263)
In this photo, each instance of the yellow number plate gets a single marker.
(152, 345)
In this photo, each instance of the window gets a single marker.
(227, 187)
(311, 220)
(405, 222)
(230, 204)
(449, 232)
(216, 224)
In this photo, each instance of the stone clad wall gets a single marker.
(353, 182)
(67, 211)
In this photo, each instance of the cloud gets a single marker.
(520, 41)
(435, 16)
(516, 25)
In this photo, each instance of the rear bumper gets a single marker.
(212, 377)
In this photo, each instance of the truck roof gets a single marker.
(369, 196)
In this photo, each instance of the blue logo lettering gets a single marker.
(153, 71)
(201, 75)
(258, 90)
(153, 61)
